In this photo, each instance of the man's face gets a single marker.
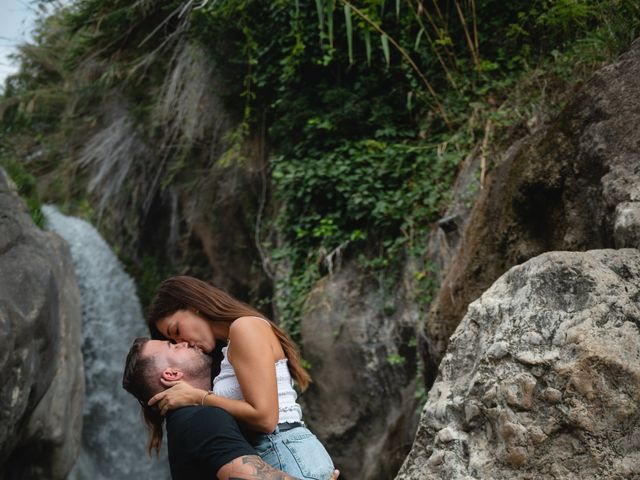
(191, 360)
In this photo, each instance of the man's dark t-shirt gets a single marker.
(202, 440)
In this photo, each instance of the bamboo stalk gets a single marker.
(330, 8)
(407, 57)
(476, 60)
(434, 48)
(483, 152)
(445, 24)
(367, 45)
(349, 26)
(320, 10)
(475, 26)
(439, 12)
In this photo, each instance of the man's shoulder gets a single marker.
(184, 412)
(196, 415)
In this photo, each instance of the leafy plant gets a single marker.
(26, 185)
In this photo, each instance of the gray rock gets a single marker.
(444, 243)
(541, 379)
(444, 240)
(42, 387)
(574, 184)
(362, 350)
(626, 229)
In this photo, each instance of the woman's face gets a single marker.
(188, 326)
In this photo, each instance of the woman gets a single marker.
(255, 381)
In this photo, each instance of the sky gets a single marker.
(16, 21)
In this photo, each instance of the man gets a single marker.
(204, 442)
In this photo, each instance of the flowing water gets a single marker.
(113, 434)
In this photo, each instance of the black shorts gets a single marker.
(202, 440)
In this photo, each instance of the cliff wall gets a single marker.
(572, 185)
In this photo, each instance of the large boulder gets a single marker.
(541, 379)
(42, 388)
(572, 185)
(360, 342)
(361, 339)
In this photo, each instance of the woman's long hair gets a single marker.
(183, 292)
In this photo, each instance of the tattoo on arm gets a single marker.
(251, 467)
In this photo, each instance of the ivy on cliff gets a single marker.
(368, 106)
(371, 105)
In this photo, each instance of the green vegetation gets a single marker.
(149, 273)
(367, 107)
(26, 185)
(371, 106)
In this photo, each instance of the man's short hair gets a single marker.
(140, 377)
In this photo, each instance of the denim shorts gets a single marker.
(297, 452)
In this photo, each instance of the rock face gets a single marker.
(362, 353)
(42, 388)
(542, 377)
(574, 185)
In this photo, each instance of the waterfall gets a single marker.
(114, 438)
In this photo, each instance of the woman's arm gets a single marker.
(253, 360)
(181, 394)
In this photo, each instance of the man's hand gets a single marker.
(181, 394)
(252, 467)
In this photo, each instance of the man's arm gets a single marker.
(251, 467)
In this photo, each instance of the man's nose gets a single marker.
(182, 344)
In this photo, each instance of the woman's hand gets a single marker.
(181, 394)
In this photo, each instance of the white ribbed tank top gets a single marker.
(226, 385)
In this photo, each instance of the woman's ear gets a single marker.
(172, 374)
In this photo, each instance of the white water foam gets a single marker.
(113, 434)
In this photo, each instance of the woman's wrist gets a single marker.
(205, 394)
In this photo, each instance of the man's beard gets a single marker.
(201, 366)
